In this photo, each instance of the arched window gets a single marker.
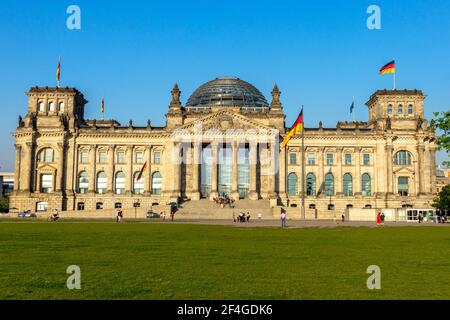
(389, 109)
(138, 183)
(348, 185)
(402, 158)
(83, 182)
(61, 107)
(46, 183)
(41, 106)
(311, 184)
(120, 183)
(46, 155)
(156, 183)
(51, 106)
(329, 184)
(292, 184)
(410, 109)
(102, 182)
(400, 109)
(366, 187)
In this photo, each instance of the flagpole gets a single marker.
(303, 167)
(353, 111)
(394, 79)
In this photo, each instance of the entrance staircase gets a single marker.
(206, 209)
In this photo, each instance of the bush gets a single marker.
(4, 204)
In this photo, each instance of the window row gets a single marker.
(120, 182)
(51, 106)
(329, 159)
(102, 157)
(328, 185)
(400, 109)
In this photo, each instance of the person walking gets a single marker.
(378, 218)
(382, 218)
(283, 219)
(163, 215)
(172, 215)
(343, 216)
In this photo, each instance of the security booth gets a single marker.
(412, 215)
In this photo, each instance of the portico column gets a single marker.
(357, 178)
(148, 174)
(27, 168)
(17, 167)
(129, 173)
(176, 169)
(432, 188)
(253, 195)
(389, 173)
(282, 174)
(195, 171)
(338, 179)
(234, 177)
(60, 165)
(320, 174)
(110, 169)
(419, 174)
(92, 162)
(214, 192)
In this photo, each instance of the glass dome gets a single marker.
(227, 92)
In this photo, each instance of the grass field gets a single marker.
(170, 261)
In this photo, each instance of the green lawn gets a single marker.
(170, 261)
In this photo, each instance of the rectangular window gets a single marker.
(103, 157)
(366, 159)
(348, 159)
(84, 157)
(292, 158)
(329, 159)
(80, 206)
(99, 206)
(311, 158)
(403, 186)
(46, 183)
(157, 157)
(139, 156)
(121, 157)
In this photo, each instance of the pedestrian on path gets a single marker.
(283, 219)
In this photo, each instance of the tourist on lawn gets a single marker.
(382, 217)
(117, 216)
(343, 216)
(378, 218)
(172, 215)
(283, 219)
(248, 216)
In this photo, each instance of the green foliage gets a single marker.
(4, 204)
(442, 201)
(441, 122)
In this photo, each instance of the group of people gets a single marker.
(242, 217)
(224, 200)
(380, 218)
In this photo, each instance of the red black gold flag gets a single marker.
(388, 68)
(144, 168)
(296, 128)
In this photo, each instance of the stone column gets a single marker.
(148, 174)
(320, 174)
(357, 178)
(92, 169)
(196, 152)
(389, 171)
(17, 167)
(253, 195)
(420, 173)
(60, 167)
(282, 174)
(129, 173)
(234, 177)
(27, 167)
(111, 177)
(177, 161)
(214, 147)
(338, 178)
(432, 169)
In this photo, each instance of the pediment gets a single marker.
(226, 120)
(46, 168)
(403, 170)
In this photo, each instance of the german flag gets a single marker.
(296, 128)
(58, 71)
(144, 168)
(102, 106)
(388, 68)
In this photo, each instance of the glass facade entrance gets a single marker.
(225, 168)
(205, 174)
(243, 171)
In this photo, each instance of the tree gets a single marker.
(4, 204)
(441, 122)
(442, 201)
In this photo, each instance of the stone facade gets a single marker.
(66, 162)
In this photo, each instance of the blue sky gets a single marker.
(320, 53)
